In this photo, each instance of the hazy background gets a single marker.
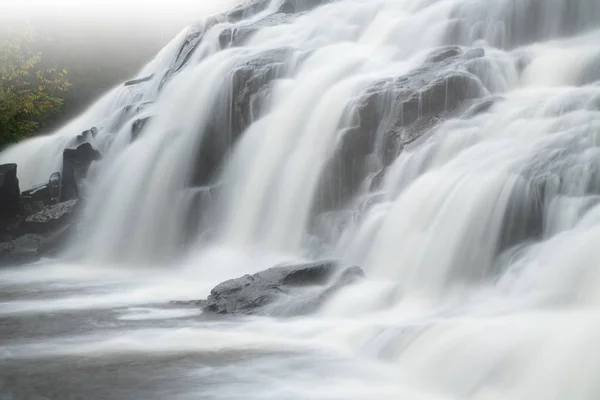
(102, 43)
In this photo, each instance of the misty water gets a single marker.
(477, 224)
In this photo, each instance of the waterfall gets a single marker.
(451, 148)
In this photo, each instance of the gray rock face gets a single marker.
(394, 112)
(40, 234)
(10, 194)
(76, 163)
(250, 83)
(302, 288)
(21, 250)
(138, 127)
(50, 217)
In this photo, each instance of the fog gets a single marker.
(102, 43)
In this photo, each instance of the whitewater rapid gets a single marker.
(478, 234)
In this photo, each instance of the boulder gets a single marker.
(50, 218)
(10, 194)
(259, 293)
(42, 233)
(46, 194)
(76, 163)
(87, 135)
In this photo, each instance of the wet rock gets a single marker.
(250, 86)
(252, 294)
(138, 81)
(444, 53)
(29, 248)
(10, 194)
(45, 194)
(87, 135)
(22, 250)
(76, 163)
(51, 218)
(394, 112)
(43, 233)
(138, 126)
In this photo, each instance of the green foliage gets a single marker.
(28, 93)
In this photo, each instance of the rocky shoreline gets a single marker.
(37, 222)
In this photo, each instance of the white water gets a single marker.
(443, 314)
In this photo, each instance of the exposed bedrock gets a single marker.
(394, 112)
(235, 110)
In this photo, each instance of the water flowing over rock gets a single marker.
(451, 149)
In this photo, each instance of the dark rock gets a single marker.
(29, 248)
(138, 126)
(10, 194)
(45, 194)
(138, 81)
(43, 233)
(76, 163)
(22, 250)
(87, 135)
(480, 107)
(32, 207)
(251, 294)
(444, 53)
(250, 87)
(394, 112)
(189, 303)
(50, 218)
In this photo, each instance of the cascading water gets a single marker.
(451, 148)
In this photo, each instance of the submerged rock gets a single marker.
(10, 194)
(22, 250)
(251, 294)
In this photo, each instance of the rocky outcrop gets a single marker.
(138, 127)
(22, 250)
(46, 194)
(296, 289)
(10, 194)
(76, 163)
(28, 238)
(139, 80)
(51, 218)
(250, 84)
(393, 112)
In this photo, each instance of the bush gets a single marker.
(28, 93)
